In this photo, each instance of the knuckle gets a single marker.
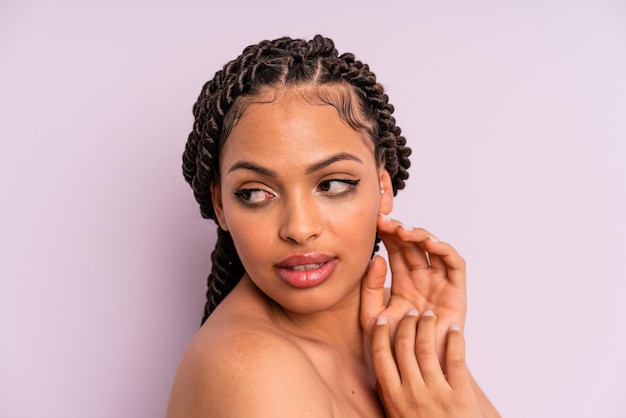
(403, 343)
(456, 360)
(377, 352)
(413, 403)
(423, 349)
(378, 358)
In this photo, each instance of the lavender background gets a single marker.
(516, 114)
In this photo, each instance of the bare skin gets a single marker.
(272, 349)
(254, 363)
(295, 180)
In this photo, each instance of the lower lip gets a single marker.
(307, 278)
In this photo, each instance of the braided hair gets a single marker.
(274, 64)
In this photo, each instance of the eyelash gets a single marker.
(244, 195)
(350, 186)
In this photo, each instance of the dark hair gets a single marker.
(274, 64)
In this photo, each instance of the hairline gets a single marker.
(348, 106)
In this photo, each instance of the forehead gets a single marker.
(289, 127)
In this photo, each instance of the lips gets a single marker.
(306, 270)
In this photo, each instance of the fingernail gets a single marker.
(455, 327)
(433, 239)
(428, 313)
(412, 312)
(381, 320)
(385, 217)
(406, 228)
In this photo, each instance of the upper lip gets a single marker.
(303, 259)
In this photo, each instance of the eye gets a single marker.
(338, 187)
(252, 196)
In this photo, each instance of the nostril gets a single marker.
(299, 229)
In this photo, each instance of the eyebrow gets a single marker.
(341, 156)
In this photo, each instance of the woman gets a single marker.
(295, 154)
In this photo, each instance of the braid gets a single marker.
(390, 144)
(223, 268)
(275, 64)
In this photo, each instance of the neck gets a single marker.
(338, 326)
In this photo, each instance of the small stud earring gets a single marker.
(382, 191)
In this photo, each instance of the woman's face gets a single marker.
(299, 192)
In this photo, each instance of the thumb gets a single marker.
(373, 293)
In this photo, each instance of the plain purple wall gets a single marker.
(516, 113)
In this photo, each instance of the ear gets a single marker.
(385, 204)
(216, 198)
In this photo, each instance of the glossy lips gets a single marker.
(306, 270)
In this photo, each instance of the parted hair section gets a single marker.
(313, 69)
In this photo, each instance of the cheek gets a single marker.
(355, 223)
(248, 234)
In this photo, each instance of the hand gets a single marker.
(412, 383)
(425, 275)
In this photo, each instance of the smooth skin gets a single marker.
(270, 349)
(411, 382)
(423, 282)
(427, 275)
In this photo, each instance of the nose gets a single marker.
(301, 221)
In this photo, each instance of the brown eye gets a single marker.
(338, 187)
(252, 196)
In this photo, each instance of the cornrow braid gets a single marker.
(275, 64)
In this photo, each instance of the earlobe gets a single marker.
(216, 199)
(385, 204)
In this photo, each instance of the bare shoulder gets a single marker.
(246, 368)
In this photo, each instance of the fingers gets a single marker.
(458, 375)
(404, 346)
(416, 361)
(417, 248)
(373, 293)
(382, 357)
(412, 383)
(445, 260)
(426, 350)
(404, 254)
